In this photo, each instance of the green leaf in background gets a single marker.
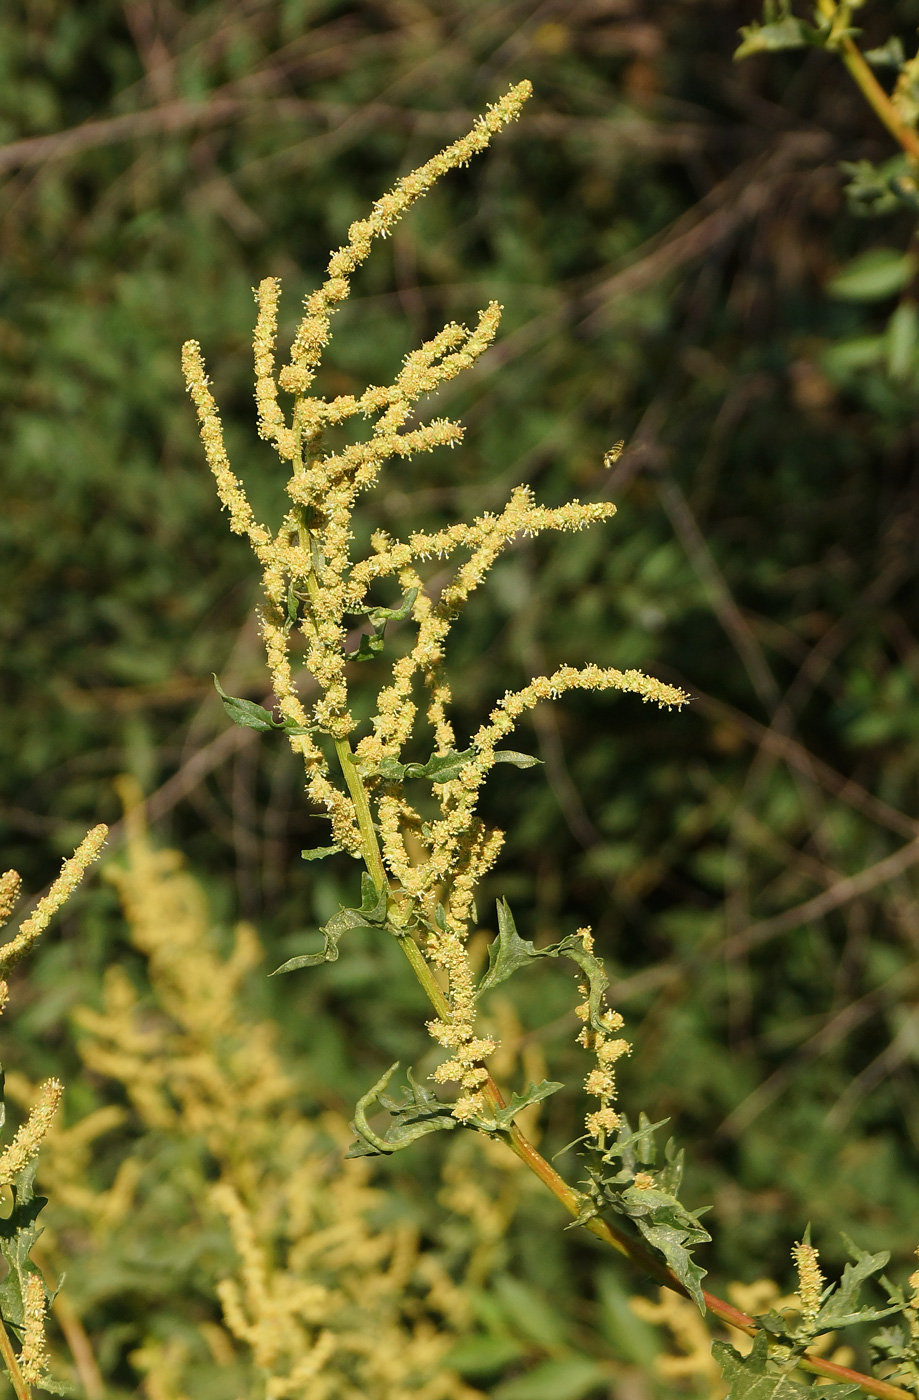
(875, 190)
(903, 341)
(630, 1337)
(567, 1378)
(889, 55)
(483, 1355)
(531, 1313)
(872, 276)
(845, 358)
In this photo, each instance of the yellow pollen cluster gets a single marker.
(810, 1279)
(912, 1307)
(447, 951)
(33, 1358)
(608, 1048)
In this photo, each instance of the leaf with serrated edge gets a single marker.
(339, 924)
(18, 1234)
(533, 1093)
(508, 951)
(320, 852)
(671, 1241)
(756, 1377)
(841, 1307)
(661, 1218)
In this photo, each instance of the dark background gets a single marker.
(661, 228)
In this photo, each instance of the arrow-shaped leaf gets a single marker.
(508, 951)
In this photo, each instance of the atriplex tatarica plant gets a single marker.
(413, 822)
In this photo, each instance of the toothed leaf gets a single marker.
(758, 1377)
(533, 1093)
(508, 951)
(842, 1308)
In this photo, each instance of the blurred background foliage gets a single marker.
(668, 234)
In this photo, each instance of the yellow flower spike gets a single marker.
(28, 1140)
(810, 1278)
(33, 1358)
(72, 872)
(232, 496)
(10, 890)
(271, 424)
(313, 334)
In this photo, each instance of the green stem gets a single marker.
(11, 1362)
(370, 849)
(370, 846)
(871, 89)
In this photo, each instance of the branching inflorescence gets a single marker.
(423, 866)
